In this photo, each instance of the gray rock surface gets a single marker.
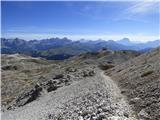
(91, 98)
(139, 81)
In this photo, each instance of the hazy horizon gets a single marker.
(138, 21)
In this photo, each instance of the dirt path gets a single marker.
(117, 97)
(91, 98)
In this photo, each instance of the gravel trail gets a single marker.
(92, 98)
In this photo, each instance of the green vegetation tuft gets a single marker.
(146, 73)
(106, 66)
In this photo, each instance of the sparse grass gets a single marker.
(106, 66)
(146, 73)
(38, 61)
(10, 67)
(26, 71)
(35, 60)
(7, 100)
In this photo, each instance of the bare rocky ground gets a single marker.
(139, 80)
(21, 73)
(24, 76)
(93, 98)
(77, 89)
(24, 79)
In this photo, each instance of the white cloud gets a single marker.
(137, 10)
(146, 7)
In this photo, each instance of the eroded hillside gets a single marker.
(139, 80)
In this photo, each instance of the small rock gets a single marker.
(80, 112)
(52, 88)
(80, 118)
(99, 110)
(114, 118)
(106, 109)
(126, 114)
(94, 118)
(143, 114)
(84, 113)
(58, 76)
(69, 69)
(88, 73)
(101, 116)
(135, 100)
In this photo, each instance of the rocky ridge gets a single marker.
(93, 98)
(78, 89)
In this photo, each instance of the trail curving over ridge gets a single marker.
(92, 98)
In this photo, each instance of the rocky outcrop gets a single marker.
(29, 96)
(90, 98)
(96, 104)
(57, 81)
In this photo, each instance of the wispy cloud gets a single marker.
(94, 10)
(133, 10)
(143, 8)
(136, 11)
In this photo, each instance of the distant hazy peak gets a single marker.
(125, 41)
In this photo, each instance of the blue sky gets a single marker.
(138, 21)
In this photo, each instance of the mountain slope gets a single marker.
(77, 89)
(94, 97)
(20, 73)
(23, 72)
(139, 80)
(104, 57)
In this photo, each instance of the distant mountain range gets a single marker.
(59, 49)
(139, 46)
